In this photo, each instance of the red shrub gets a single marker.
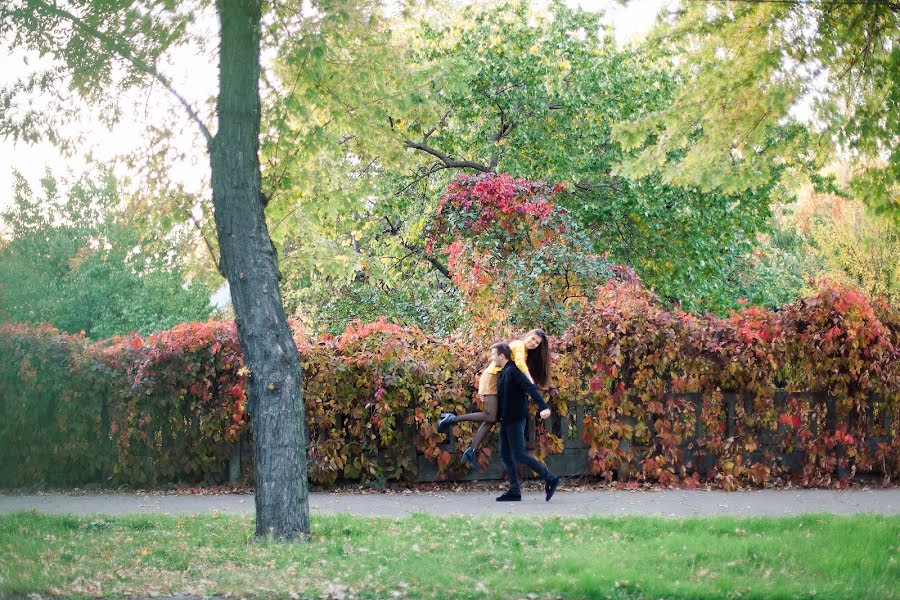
(811, 391)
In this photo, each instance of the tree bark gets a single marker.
(249, 262)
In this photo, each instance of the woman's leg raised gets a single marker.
(490, 409)
(487, 386)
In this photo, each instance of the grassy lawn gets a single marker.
(432, 557)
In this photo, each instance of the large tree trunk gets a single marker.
(250, 265)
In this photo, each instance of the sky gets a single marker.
(194, 76)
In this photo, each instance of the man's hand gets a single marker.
(545, 414)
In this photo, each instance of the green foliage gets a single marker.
(73, 260)
(368, 116)
(432, 304)
(540, 100)
(820, 237)
(329, 164)
(746, 67)
(775, 272)
(531, 94)
(56, 402)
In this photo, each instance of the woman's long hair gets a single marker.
(538, 360)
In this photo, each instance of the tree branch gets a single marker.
(123, 51)
(449, 163)
(394, 229)
(586, 186)
(505, 126)
(209, 247)
(438, 265)
(422, 173)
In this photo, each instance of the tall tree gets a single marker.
(98, 44)
(250, 264)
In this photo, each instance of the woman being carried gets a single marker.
(532, 355)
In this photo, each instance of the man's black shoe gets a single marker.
(550, 487)
(509, 496)
(445, 422)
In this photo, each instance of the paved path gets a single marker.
(667, 503)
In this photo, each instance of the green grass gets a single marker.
(430, 557)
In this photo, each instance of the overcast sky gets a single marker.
(195, 78)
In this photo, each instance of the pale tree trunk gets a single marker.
(249, 263)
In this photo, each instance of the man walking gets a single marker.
(513, 389)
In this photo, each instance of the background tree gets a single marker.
(845, 244)
(73, 260)
(497, 88)
(749, 67)
(821, 237)
(101, 47)
(328, 151)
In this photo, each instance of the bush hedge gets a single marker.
(170, 407)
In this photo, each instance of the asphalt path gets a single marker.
(604, 502)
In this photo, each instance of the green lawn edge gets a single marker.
(425, 556)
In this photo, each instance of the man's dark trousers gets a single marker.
(512, 451)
